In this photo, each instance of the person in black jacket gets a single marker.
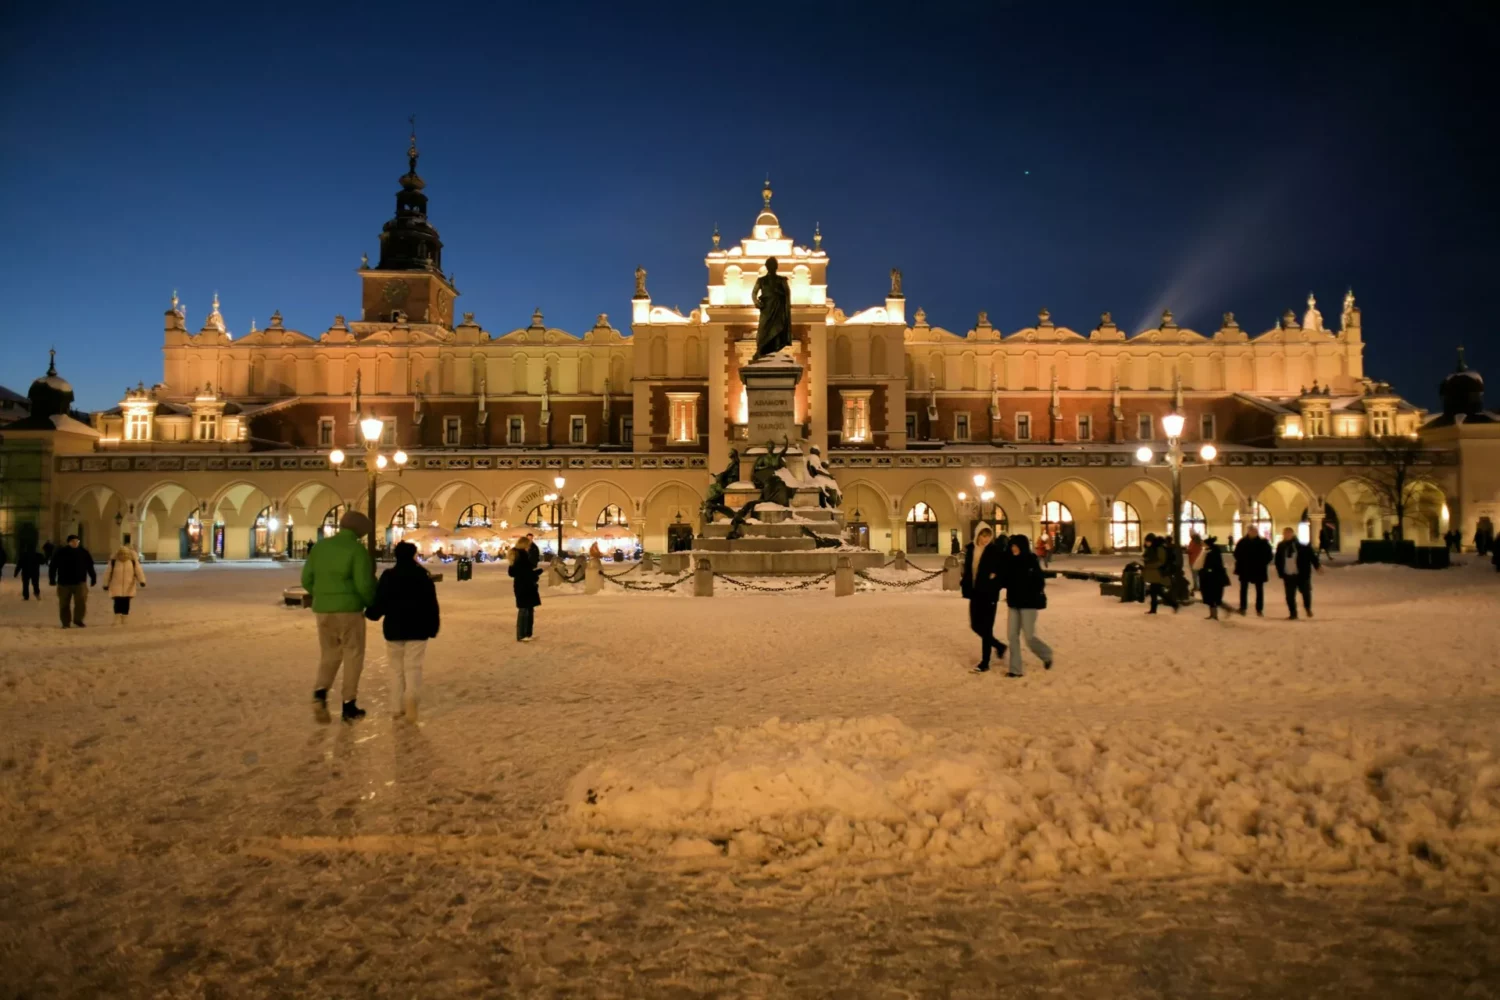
(1295, 563)
(984, 569)
(1252, 558)
(1212, 578)
(29, 569)
(406, 598)
(71, 566)
(1025, 595)
(523, 578)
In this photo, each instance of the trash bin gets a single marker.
(465, 569)
(1133, 582)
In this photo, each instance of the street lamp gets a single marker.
(559, 508)
(370, 428)
(1173, 423)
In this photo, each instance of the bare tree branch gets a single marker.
(1398, 478)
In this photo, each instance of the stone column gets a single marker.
(703, 579)
(1106, 544)
(843, 578)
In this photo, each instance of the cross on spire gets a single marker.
(411, 150)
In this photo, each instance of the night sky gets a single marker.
(1006, 158)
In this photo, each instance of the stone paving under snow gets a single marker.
(758, 795)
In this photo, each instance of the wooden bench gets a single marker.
(296, 597)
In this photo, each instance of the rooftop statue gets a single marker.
(1312, 319)
(773, 296)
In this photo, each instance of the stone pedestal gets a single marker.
(703, 579)
(952, 573)
(843, 577)
(593, 576)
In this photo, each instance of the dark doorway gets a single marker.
(679, 537)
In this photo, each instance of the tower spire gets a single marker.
(766, 192)
(411, 150)
(52, 360)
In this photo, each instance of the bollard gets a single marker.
(593, 576)
(843, 578)
(952, 573)
(549, 575)
(647, 564)
(900, 561)
(703, 579)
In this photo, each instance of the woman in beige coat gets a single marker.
(125, 574)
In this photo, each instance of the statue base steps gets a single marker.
(813, 562)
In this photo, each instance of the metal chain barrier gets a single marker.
(804, 585)
(865, 575)
(629, 585)
(616, 576)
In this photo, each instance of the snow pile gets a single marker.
(1105, 800)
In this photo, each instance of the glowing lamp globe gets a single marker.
(381, 462)
(1208, 453)
(370, 428)
(1172, 424)
(1143, 454)
(559, 482)
(399, 458)
(987, 496)
(962, 496)
(336, 457)
(979, 480)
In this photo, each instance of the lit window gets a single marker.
(1192, 521)
(1380, 424)
(612, 514)
(920, 513)
(911, 425)
(1023, 427)
(683, 423)
(388, 433)
(325, 432)
(1054, 516)
(1125, 526)
(576, 430)
(452, 428)
(208, 426)
(1317, 423)
(960, 427)
(476, 515)
(1143, 429)
(515, 431)
(1259, 517)
(1085, 427)
(856, 415)
(1206, 427)
(627, 431)
(138, 425)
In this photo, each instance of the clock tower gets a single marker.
(408, 282)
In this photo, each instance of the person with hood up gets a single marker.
(1025, 596)
(340, 576)
(29, 565)
(71, 565)
(407, 599)
(1156, 573)
(124, 575)
(1212, 576)
(523, 577)
(984, 571)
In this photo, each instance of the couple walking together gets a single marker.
(992, 565)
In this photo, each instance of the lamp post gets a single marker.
(370, 428)
(1172, 423)
(559, 508)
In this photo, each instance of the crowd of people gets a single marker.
(71, 574)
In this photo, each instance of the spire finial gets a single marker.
(174, 300)
(52, 361)
(1463, 365)
(766, 192)
(411, 150)
(817, 236)
(716, 236)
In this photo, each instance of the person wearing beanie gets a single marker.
(407, 600)
(340, 576)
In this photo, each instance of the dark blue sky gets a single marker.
(1206, 161)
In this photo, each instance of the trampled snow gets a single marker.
(756, 794)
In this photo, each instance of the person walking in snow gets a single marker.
(1211, 575)
(72, 565)
(1252, 560)
(1194, 554)
(1327, 538)
(29, 568)
(340, 576)
(1156, 573)
(407, 600)
(984, 570)
(1295, 563)
(1025, 597)
(523, 577)
(124, 576)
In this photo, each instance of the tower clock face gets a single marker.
(395, 292)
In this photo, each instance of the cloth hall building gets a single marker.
(228, 452)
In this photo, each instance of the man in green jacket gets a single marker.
(341, 579)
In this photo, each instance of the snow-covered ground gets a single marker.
(758, 795)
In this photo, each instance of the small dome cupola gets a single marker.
(50, 395)
(1463, 391)
(408, 242)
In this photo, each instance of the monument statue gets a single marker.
(773, 296)
(765, 476)
(1312, 319)
(719, 486)
(640, 283)
(896, 283)
(819, 475)
(1348, 310)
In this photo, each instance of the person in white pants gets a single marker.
(406, 601)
